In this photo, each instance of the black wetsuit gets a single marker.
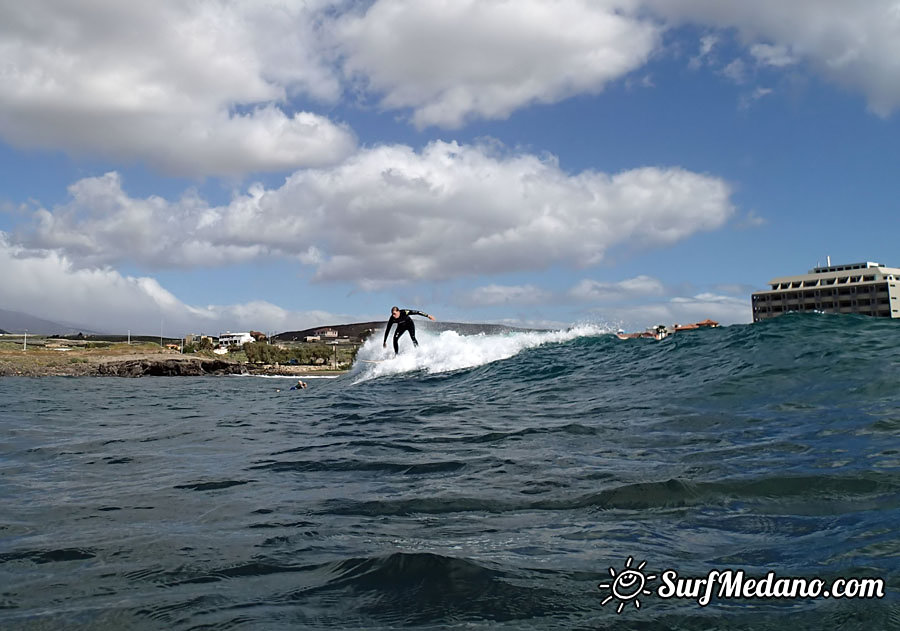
(404, 323)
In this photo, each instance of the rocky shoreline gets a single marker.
(147, 365)
(169, 368)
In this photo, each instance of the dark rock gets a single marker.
(169, 368)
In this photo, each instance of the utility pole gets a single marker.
(25, 343)
(129, 337)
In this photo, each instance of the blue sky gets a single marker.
(282, 165)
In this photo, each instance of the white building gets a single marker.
(234, 339)
(864, 288)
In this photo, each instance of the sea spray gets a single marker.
(450, 351)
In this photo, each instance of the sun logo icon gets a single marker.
(628, 585)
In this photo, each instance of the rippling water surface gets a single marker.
(480, 483)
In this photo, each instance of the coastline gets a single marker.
(138, 363)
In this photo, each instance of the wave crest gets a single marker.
(451, 351)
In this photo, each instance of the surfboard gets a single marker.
(374, 361)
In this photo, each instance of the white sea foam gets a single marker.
(452, 351)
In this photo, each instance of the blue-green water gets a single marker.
(478, 483)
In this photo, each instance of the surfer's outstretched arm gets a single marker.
(387, 331)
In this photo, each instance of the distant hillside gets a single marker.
(354, 331)
(16, 322)
(2, 332)
(358, 330)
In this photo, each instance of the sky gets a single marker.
(203, 166)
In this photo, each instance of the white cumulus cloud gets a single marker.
(193, 88)
(453, 61)
(392, 214)
(769, 55)
(224, 87)
(47, 285)
(854, 44)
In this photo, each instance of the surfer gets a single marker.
(301, 385)
(401, 317)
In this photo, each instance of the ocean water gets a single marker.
(485, 482)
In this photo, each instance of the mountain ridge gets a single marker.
(18, 322)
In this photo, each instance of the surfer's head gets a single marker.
(395, 311)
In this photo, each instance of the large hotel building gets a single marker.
(865, 288)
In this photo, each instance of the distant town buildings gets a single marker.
(661, 331)
(865, 288)
(198, 339)
(711, 324)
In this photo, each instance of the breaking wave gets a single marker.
(450, 351)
